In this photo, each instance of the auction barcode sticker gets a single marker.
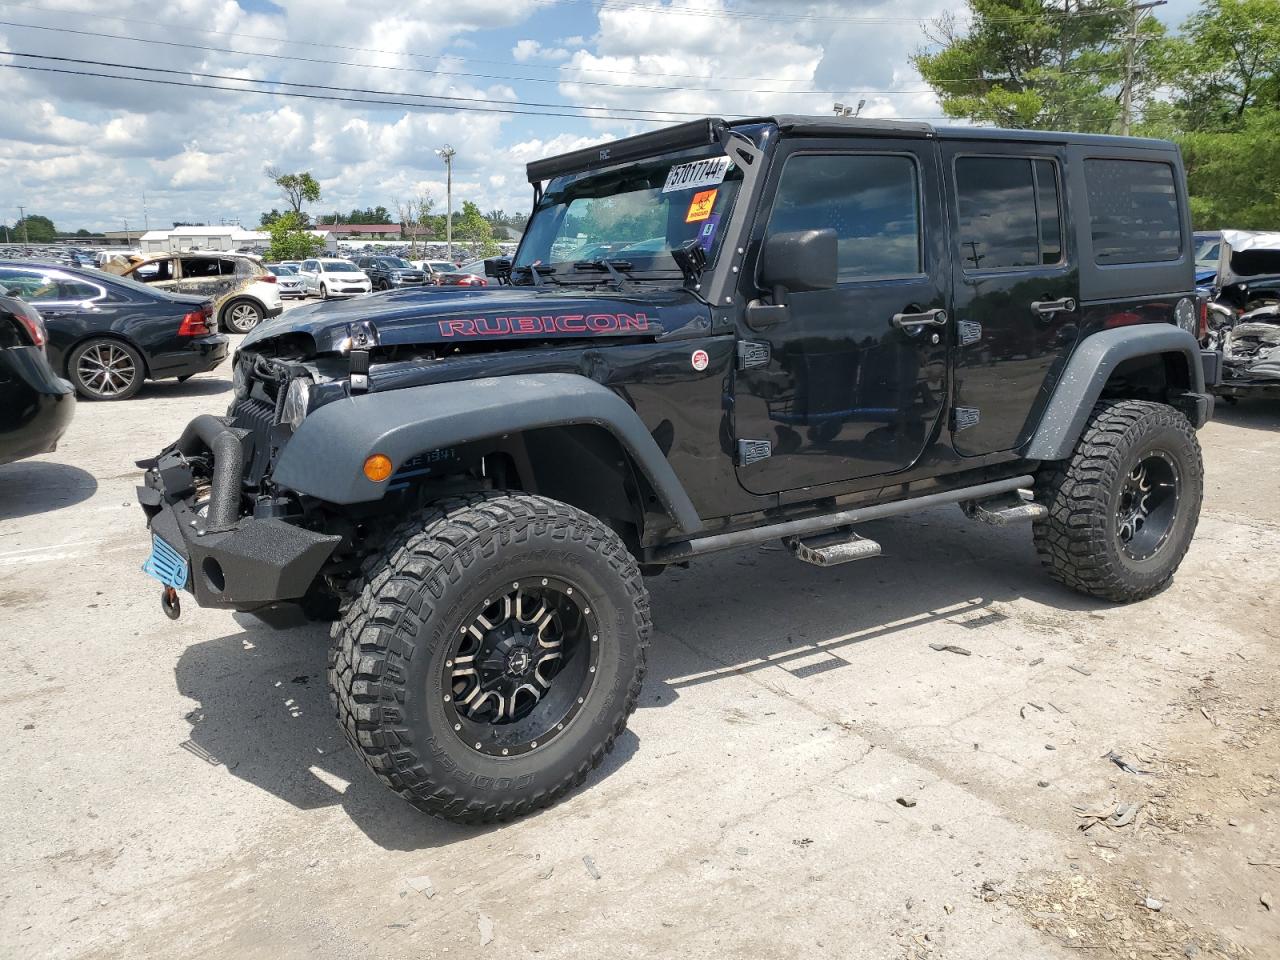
(700, 173)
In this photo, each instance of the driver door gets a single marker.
(853, 382)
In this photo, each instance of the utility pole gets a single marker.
(146, 216)
(447, 153)
(1137, 13)
(22, 215)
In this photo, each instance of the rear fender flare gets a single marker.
(1086, 375)
(325, 457)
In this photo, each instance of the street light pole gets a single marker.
(447, 153)
(22, 212)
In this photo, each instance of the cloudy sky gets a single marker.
(84, 150)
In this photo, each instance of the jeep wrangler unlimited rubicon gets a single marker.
(711, 336)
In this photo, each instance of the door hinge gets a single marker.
(962, 418)
(970, 332)
(753, 451)
(753, 353)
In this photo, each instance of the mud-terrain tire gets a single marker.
(1133, 456)
(389, 663)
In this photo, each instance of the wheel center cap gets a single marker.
(518, 661)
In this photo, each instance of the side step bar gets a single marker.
(833, 548)
(1004, 510)
(677, 552)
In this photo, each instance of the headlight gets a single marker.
(296, 401)
(239, 380)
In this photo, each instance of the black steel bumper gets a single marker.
(236, 562)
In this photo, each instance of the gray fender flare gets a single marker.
(1087, 372)
(326, 455)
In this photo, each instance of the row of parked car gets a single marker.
(330, 277)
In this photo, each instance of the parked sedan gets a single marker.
(433, 270)
(330, 277)
(35, 404)
(107, 334)
(287, 280)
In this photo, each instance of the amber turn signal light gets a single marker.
(377, 468)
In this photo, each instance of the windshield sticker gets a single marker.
(700, 206)
(700, 173)
(707, 235)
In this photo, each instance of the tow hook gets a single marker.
(170, 603)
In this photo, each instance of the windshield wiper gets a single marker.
(610, 267)
(535, 273)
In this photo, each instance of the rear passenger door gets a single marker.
(1016, 288)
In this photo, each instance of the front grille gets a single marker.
(257, 416)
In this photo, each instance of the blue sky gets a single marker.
(86, 150)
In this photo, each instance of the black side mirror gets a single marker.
(799, 260)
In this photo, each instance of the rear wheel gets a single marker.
(493, 654)
(1123, 509)
(241, 316)
(106, 369)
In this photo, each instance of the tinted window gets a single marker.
(871, 202)
(1133, 211)
(1010, 212)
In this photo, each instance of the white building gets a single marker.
(180, 239)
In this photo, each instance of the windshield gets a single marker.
(638, 214)
(338, 266)
(395, 263)
(280, 270)
(1209, 251)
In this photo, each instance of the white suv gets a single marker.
(333, 278)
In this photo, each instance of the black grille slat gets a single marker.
(257, 416)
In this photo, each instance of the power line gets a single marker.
(418, 105)
(450, 73)
(323, 86)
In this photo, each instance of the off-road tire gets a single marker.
(386, 677)
(1078, 540)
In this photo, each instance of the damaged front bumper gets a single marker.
(225, 559)
(1251, 356)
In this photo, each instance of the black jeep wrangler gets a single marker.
(711, 336)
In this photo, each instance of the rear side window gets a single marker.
(1133, 211)
(872, 202)
(1010, 212)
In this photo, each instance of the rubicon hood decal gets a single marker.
(527, 326)
(431, 315)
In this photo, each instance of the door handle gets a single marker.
(1047, 308)
(928, 318)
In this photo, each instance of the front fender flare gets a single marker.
(1087, 372)
(325, 457)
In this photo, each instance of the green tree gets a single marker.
(38, 230)
(298, 188)
(1223, 71)
(290, 239)
(472, 228)
(1226, 62)
(1038, 64)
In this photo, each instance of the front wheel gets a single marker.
(492, 656)
(324, 292)
(1123, 509)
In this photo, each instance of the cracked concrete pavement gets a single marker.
(181, 789)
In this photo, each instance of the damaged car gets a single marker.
(245, 292)
(1244, 314)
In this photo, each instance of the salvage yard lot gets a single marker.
(804, 774)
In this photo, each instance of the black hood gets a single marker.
(485, 314)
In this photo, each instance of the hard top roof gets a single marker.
(696, 133)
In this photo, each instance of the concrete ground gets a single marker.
(805, 776)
